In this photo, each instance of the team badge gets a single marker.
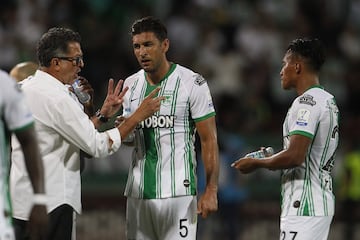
(302, 118)
(169, 95)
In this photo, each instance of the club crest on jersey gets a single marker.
(307, 99)
(302, 118)
(200, 80)
(169, 95)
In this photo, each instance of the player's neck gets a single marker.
(307, 82)
(157, 76)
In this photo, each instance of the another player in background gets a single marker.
(24, 69)
(161, 188)
(16, 118)
(310, 134)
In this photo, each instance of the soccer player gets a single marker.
(311, 137)
(161, 186)
(16, 118)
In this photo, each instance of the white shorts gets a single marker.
(162, 219)
(304, 227)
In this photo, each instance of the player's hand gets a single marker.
(149, 105)
(86, 87)
(38, 223)
(114, 98)
(245, 165)
(208, 202)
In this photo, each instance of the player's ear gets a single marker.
(54, 61)
(166, 44)
(297, 67)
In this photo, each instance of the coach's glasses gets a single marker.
(77, 60)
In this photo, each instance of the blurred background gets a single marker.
(237, 45)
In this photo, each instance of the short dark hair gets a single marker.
(310, 49)
(55, 43)
(149, 24)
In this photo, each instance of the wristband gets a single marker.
(101, 117)
(40, 199)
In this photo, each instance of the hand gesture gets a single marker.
(114, 98)
(149, 105)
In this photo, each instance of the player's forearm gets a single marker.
(36, 172)
(210, 155)
(281, 160)
(128, 125)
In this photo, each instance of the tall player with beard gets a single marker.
(161, 187)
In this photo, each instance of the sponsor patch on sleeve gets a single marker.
(303, 116)
(200, 80)
(307, 99)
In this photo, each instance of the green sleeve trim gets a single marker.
(27, 126)
(205, 117)
(306, 134)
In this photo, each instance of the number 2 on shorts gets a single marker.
(283, 235)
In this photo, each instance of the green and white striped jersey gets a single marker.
(14, 116)
(166, 165)
(307, 189)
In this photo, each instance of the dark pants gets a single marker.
(60, 225)
(351, 209)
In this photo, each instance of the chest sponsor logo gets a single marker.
(303, 117)
(162, 121)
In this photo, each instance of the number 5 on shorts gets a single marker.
(183, 228)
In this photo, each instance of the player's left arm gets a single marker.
(210, 154)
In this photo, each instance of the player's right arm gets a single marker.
(291, 157)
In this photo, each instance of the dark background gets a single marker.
(238, 47)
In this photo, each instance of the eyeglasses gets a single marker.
(77, 60)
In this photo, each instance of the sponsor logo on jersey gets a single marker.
(210, 102)
(186, 183)
(162, 121)
(200, 80)
(303, 116)
(307, 99)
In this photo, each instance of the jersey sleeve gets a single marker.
(305, 115)
(201, 103)
(16, 113)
